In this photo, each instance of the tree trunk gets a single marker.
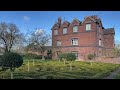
(11, 70)
(43, 56)
(91, 63)
(6, 49)
(71, 66)
(64, 61)
(28, 66)
(11, 74)
(33, 63)
(59, 60)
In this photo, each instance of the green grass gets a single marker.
(117, 76)
(52, 69)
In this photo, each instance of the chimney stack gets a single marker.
(94, 16)
(59, 21)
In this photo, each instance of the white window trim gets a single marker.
(59, 43)
(100, 42)
(55, 32)
(88, 28)
(75, 31)
(65, 30)
(74, 41)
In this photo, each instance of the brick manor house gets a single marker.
(82, 37)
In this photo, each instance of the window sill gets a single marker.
(74, 45)
(65, 34)
(88, 30)
(75, 32)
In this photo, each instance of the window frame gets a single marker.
(65, 28)
(73, 43)
(75, 52)
(58, 44)
(74, 29)
(86, 28)
(100, 42)
(55, 31)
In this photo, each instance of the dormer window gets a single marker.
(64, 30)
(75, 29)
(55, 32)
(88, 27)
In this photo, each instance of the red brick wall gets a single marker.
(109, 41)
(88, 41)
(82, 51)
(85, 37)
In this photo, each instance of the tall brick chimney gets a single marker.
(59, 21)
(94, 16)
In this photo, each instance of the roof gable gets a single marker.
(75, 22)
(89, 18)
(55, 26)
(65, 24)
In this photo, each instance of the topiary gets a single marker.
(62, 56)
(91, 56)
(70, 57)
(11, 60)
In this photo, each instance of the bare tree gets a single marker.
(40, 40)
(116, 49)
(9, 36)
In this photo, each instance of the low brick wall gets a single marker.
(107, 60)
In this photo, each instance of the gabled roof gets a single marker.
(90, 18)
(108, 31)
(66, 23)
(75, 19)
(56, 25)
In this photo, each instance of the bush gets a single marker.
(12, 60)
(62, 56)
(70, 57)
(91, 56)
(46, 57)
(32, 56)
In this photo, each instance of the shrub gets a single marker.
(46, 57)
(91, 56)
(62, 56)
(12, 60)
(32, 56)
(70, 57)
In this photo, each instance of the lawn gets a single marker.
(51, 69)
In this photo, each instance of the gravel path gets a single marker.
(113, 74)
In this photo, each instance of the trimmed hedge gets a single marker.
(12, 60)
(32, 56)
(70, 57)
(67, 56)
(35, 56)
(62, 56)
